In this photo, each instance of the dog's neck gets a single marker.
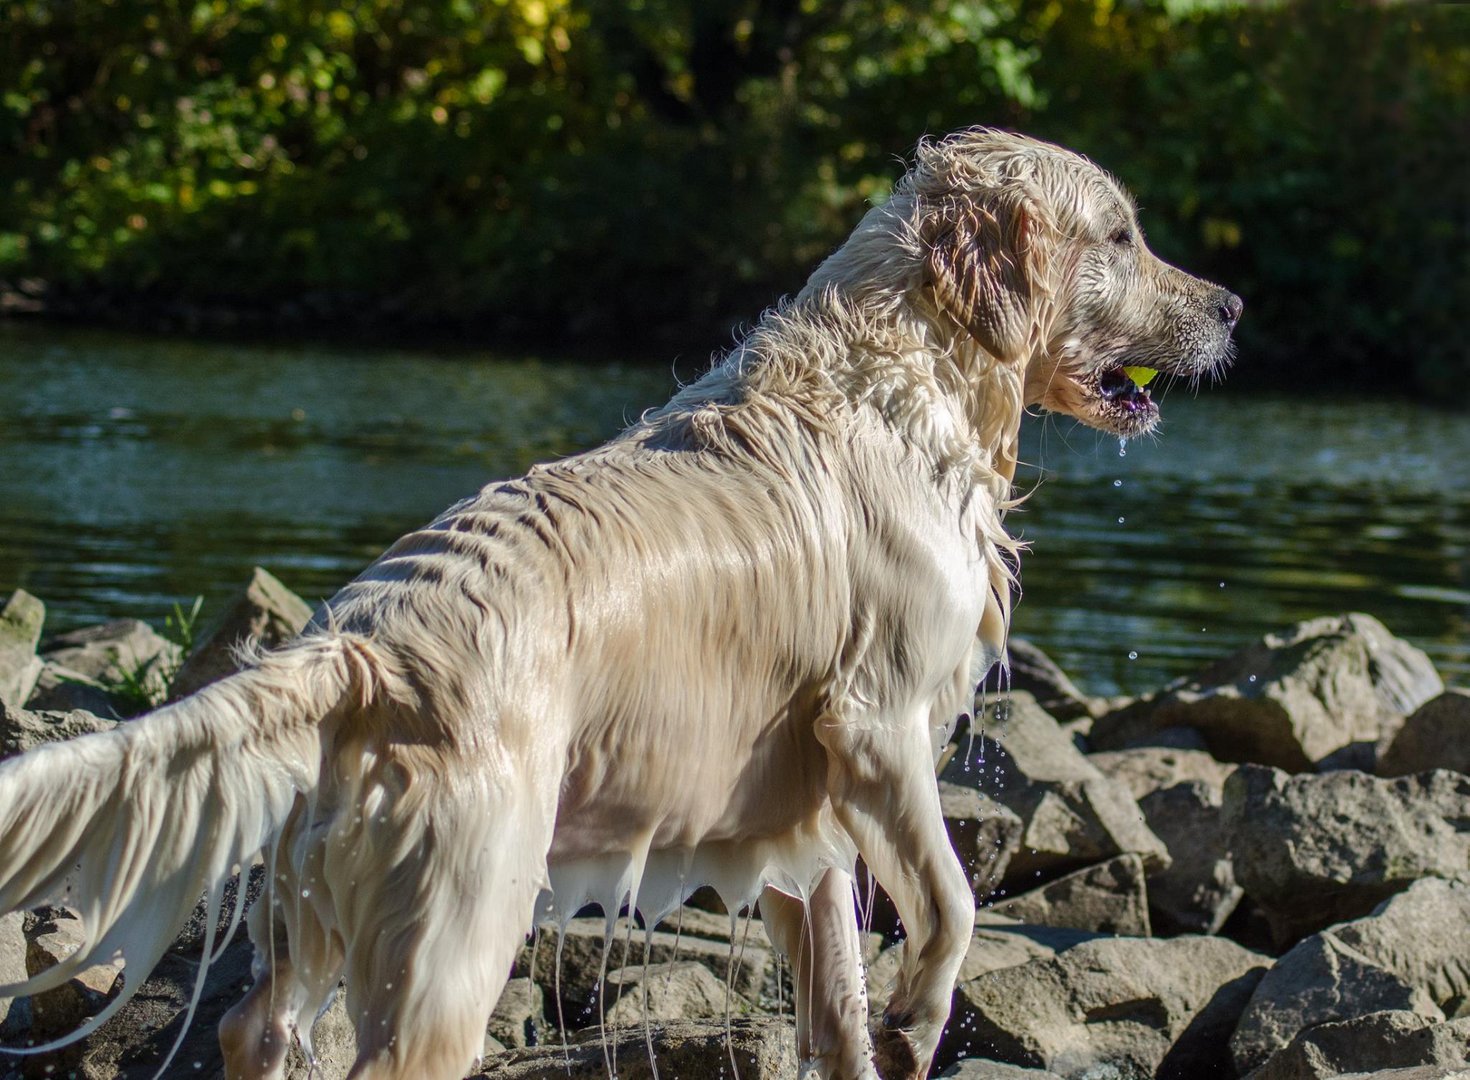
(927, 379)
(830, 352)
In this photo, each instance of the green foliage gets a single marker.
(136, 686)
(605, 169)
(181, 628)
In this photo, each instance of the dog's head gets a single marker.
(1035, 254)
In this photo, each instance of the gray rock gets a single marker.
(60, 689)
(1140, 1007)
(983, 832)
(1411, 955)
(265, 611)
(1199, 891)
(20, 629)
(1413, 1072)
(135, 1042)
(1380, 1040)
(105, 657)
(761, 1048)
(1147, 769)
(982, 1069)
(519, 1019)
(747, 961)
(1179, 792)
(1073, 815)
(1109, 898)
(1435, 736)
(679, 991)
(1314, 850)
(997, 942)
(1291, 699)
(21, 730)
(15, 1014)
(51, 937)
(1035, 673)
(333, 1045)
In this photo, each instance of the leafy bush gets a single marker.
(609, 171)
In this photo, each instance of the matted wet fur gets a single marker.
(723, 648)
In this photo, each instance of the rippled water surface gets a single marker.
(141, 471)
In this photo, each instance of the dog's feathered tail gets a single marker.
(131, 826)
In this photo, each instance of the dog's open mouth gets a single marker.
(1124, 393)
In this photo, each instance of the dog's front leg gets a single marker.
(821, 940)
(881, 782)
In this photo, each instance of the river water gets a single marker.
(136, 472)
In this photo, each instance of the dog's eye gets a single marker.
(1123, 237)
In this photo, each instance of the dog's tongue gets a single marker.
(1141, 376)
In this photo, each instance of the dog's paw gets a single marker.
(893, 1054)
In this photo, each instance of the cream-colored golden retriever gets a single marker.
(723, 648)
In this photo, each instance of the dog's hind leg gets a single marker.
(436, 934)
(255, 1035)
(294, 972)
(821, 940)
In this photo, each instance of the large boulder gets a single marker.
(759, 1048)
(1380, 1040)
(1032, 672)
(1292, 699)
(22, 730)
(333, 1045)
(15, 1014)
(60, 689)
(1109, 898)
(51, 937)
(680, 991)
(1073, 816)
(519, 1018)
(745, 960)
(264, 612)
(997, 942)
(1412, 954)
(1180, 793)
(1313, 850)
(983, 832)
(1143, 1007)
(126, 661)
(983, 1069)
(20, 630)
(1435, 736)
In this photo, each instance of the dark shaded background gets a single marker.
(614, 176)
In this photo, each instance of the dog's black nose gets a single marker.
(1229, 309)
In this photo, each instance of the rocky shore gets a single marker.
(1259, 871)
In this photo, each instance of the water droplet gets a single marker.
(305, 893)
(1121, 519)
(1222, 584)
(1123, 447)
(1252, 678)
(1117, 483)
(1132, 655)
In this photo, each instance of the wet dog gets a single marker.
(724, 648)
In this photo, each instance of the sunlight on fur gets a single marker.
(724, 648)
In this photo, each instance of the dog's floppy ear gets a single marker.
(980, 251)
